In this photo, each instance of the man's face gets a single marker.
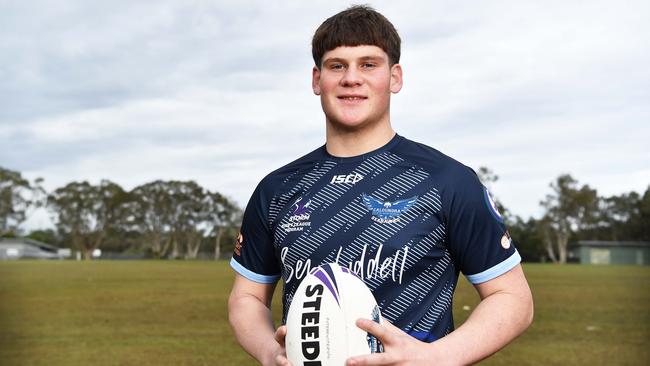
(354, 84)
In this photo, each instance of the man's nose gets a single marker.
(351, 77)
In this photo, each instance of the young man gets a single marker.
(403, 216)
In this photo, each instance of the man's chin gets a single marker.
(349, 125)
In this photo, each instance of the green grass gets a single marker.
(174, 313)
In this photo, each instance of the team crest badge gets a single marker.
(385, 211)
(300, 214)
(492, 206)
(301, 208)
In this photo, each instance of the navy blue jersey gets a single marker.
(405, 217)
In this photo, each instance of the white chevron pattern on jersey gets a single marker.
(330, 193)
(378, 233)
(440, 305)
(305, 183)
(308, 241)
(417, 289)
(417, 251)
(306, 244)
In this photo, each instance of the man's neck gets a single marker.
(346, 143)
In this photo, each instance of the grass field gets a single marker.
(174, 313)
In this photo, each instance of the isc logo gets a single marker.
(350, 178)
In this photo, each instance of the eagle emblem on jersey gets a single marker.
(385, 211)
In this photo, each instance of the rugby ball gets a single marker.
(321, 327)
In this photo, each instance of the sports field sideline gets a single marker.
(174, 313)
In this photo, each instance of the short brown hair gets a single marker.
(355, 26)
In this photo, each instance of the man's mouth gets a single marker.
(352, 97)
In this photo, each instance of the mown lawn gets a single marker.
(174, 313)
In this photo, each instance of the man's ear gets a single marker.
(315, 80)
(396, 80)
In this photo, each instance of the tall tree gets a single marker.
(224, 216)
(86, 213)
(152, 212)
(569, 209)
(173, 216)
(17, 196)
(642, 221)
(617, 217)
(190, 221)
(528, 238)
(627, 216)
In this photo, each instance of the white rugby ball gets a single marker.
(321, 327)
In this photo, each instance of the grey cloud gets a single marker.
(220, 91)
(88, 57)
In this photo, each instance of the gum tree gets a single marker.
(87, 213)
(17, 196)
(569, 209)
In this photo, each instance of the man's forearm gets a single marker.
(253, 326)
(496, 321)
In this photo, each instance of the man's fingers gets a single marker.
(372, 359)
(282, 361)
(390, 325)
(373, 328)
(280, 334)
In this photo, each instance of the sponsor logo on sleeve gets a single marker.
(238, 244)
(506, 240)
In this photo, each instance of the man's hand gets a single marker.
(249, 312)
(280, 355)
(399, 347)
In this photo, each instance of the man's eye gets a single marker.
(368, 65)
(336, 66)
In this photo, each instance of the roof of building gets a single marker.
(36, 243)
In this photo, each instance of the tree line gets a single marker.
(163, 219)
(573, 212)
(179, 219)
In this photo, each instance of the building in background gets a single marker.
(612, 252)
(20, 248)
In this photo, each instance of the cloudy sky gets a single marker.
(219, 91)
